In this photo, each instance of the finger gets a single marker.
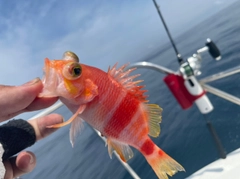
(25, 162)
(40, 103)
(37, 104)
(17, 98)
(41, 123)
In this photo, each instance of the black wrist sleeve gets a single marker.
(15, 136)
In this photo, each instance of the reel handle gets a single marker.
(213, 49)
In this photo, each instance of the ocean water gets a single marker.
(184, 133)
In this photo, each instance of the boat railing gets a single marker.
(203, 82)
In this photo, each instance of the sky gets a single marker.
(100, 32)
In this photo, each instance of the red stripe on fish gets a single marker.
(148, 147)
(161, 153)
(122, 116)
(109, 104)
(136, 129)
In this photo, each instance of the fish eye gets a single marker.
(77, 71)
(72, 71)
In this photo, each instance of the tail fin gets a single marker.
(162, 164)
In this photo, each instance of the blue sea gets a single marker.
(184, 133)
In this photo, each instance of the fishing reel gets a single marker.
(191, 68)
(193, 64)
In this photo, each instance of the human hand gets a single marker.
(18, 99)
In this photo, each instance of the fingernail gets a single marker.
(34, 81)
(26, 161)
(31, 159)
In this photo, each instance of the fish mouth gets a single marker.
(49, 80)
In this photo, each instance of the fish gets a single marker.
(112, 102)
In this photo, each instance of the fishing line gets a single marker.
(180, 59)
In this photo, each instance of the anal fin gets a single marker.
(123, 150)
(155, 117)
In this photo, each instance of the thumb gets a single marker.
(16, 98)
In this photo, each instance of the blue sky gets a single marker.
(101, 32)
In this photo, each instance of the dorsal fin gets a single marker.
(122, 77)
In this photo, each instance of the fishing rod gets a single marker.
(180, 59)
(187, 89)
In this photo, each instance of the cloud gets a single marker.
(100, 32)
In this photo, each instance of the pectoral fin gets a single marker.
(123, 150)
(76, 128)
(79, 111)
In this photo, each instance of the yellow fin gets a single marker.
(162, 164)
(123, 150)
(155, 118)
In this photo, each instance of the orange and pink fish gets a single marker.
(111, 102)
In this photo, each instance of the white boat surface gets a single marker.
(221, 168)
